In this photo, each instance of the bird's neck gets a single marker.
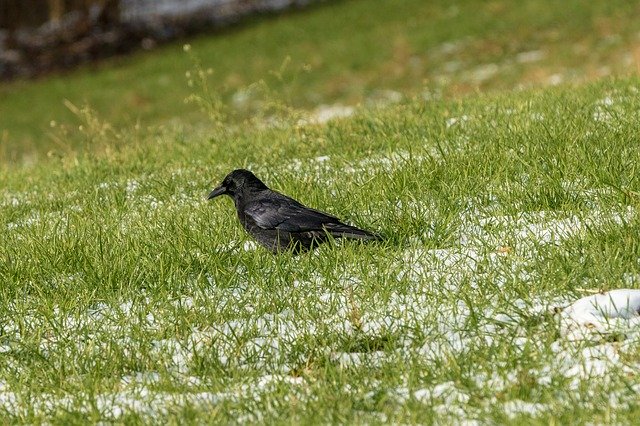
(241, 197)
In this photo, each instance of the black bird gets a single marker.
(279, 222)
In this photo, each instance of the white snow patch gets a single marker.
(595, 361)
(602, 115)
(132, 187)
(613, 311)
(537, 116)
(326, 113)
(517, 407)
(457, 120)
(449, 47)
(484, 72)
(356, 359)
(555, 79)
(137, 398)
(530, 56)
(607, 100)
(384, 97)
(249, 246)
(445, 392)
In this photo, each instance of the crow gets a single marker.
(279, 222)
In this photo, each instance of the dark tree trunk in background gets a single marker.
(16, 14)
(110, 14)
(56, 10)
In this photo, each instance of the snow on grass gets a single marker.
(323, 167)
(139, 397)
(265, 342)
(452, 121)
(447, 393)
(517, 407)
(616, 311)
(530, 56)
(326, 113)
(410, 322)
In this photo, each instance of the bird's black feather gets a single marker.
(279, 222)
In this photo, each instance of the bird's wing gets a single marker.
(286, 214)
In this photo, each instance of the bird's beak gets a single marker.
(218, 191)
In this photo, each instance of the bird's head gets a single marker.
(236, 183)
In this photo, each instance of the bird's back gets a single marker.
(277, 221)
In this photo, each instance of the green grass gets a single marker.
(346, 52)
(128, 297)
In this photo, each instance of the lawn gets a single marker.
(130, 298)
(347, 52)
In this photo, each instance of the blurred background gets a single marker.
(39, 36)
(129, 65)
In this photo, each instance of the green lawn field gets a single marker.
(127, 297)
(347, 52)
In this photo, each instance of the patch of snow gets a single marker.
(456, 120)
(385, 97)
(608, 101)
(555, 79)
(530, 56)
(596, 361)
(356, 359)
(249, 246)
(518, 407)
(602, 115)
(9, 401)
(141, 378)
(326, 113)
(484, 72)
(446, 392)
(132, 187)
(452, 66)
(450, 47)
(613, 311)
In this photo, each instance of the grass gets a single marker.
(128, 297)
(348, 52)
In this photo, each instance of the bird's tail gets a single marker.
(341, 230)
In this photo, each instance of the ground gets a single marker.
(129, 297)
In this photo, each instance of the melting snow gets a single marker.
(613, 311)
(517, 407)
(326, 113)
(423, 327)
(456, 120)
(530, 56)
